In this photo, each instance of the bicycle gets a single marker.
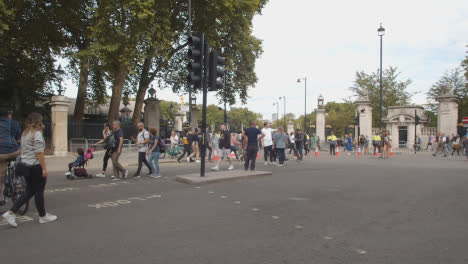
(15, 186)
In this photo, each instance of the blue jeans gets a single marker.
(233, 148)
(281, 155)
(154, 156)
(300, 152)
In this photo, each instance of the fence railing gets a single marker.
(85, 143)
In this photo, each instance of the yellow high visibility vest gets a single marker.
(331, 138)
(377, 138)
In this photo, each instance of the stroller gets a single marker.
(78, 170)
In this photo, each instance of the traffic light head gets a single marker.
(216, 71)
(417, 120)
(195, 56)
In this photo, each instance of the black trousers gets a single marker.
(35, 185)
(106, 158)
(251, 156)
(210, 151)
(332, 148)
(187, 150)
(268, 152)
(141, 160)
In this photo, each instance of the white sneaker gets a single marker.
(100, 175)
(47, 218)
(112, 177)
(266, 163)
(231, 167)
(188, 159)
(215, 168)
(67, 173)
(155, 176)
(10, 218)
(125, 175)
(198, 161)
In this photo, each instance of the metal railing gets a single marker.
(85, 143)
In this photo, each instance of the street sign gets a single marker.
(465, 120)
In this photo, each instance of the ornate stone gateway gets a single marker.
(400, 121)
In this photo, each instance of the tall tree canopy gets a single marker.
(456, 81)
(394, 90)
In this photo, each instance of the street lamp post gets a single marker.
(277, 112)
(305, 100)
(284, 111)
(381, 33)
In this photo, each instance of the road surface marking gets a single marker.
(297, 199)
(237, 202)
(20, 219)
(327, 237)
(275, 217)
(61, 190)
(361, 251)
(101, 185)
(255, 209)
(198, 187)
(223, 197)
(298, 227)
(211, 192)
(123, 201)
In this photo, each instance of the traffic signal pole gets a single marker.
(205, 95)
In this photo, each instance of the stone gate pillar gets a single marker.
(320, 126)
(447, 113)
(364, 109)
(152, 111)
(179, 120)
(194, 115)
(59, 108)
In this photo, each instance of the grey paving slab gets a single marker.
(221, 176)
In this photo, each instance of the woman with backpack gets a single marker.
(154, 152)
(105, 134)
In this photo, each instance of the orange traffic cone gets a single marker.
(337, 152)
(391, 153)
(316, 151)
(258, 155)
(377, 152)
(215, 157)
(233, 155)
(359, 152)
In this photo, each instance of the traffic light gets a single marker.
(356, 120)
(216, 71)
(195, 65)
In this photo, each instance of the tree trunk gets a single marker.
(81, 98)
(142, 87)
(117, 88)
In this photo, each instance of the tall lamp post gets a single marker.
(305, 100)
(277, 112)
(284, 113)
(381, 33)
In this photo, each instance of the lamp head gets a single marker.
(381, 30)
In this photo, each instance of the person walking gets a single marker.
(267, 142)
(234, 144)
(187, 140)
(387, 145)
(105, 135)
(280, 139)
(299, 141)
(251, 135)
(116, 139)
(154, 153)
(142, 141)
(456, 145)
(362, 144)
(195, 146)
(429, 142)
(224, 151)
(208, 143)
(291, 144)
(10, 134)
(174, 139)
(306, 144)
(33, 167)
(349, 143)
(332, 141)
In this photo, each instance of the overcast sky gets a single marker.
(328, 41)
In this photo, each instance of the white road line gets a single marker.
(223, 197)
(327, 237)
(237, 202)
(198, 187)
(275, 217)
(255, 209)
(361, 251)
(211, 192)
(298, 226)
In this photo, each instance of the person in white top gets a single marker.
(267, 142)
(142, 141)
(174, 139)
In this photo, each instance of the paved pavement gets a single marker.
(409, 209)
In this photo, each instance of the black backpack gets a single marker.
(109, 142)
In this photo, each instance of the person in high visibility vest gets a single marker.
(332, 140)
(376, 139)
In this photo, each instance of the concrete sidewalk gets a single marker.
(56, 163)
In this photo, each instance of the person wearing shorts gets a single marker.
(224, 151)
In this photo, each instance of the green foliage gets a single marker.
(455, 80)
(237, 117)
(394, 91)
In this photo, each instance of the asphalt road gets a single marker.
(409, 209)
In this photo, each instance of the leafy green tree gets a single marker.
(31, 37)
(394, 90)
(455, 80)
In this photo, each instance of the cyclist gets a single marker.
(34, 169)
(10, 134)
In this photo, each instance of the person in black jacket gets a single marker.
(224, 148)
(186, 139)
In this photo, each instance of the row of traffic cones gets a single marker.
(233, 155)
(337, 153)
